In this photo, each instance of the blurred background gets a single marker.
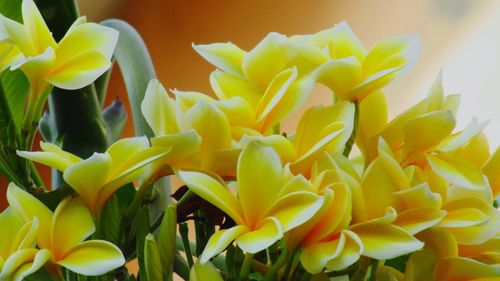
(460, 36)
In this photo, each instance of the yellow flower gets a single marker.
(81, 56)
(274, 78)
(262, 213)
(63, 233)
(320, 129)
(96, 178)
(351, 72)
(204, 271)
(18, 255)
(195, 128)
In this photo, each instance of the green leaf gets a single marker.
(15, 86)
(398, 263)
(167, 239)
(137, 70)
(53, 198)
(40, 275)
(152, 261)
(143, 229)
(109, 227)
(11, 9)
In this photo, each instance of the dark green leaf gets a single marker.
(11, 9)
(167, 239)
(398, 263)
(143, 229)
(53, 198)
(109, 227)
(40, 275)
(152, 260)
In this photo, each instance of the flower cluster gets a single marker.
(346, 193)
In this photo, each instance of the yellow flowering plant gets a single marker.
(346, 194)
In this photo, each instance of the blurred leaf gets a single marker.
(11, 9)
(143, 229)
(152, 261)
(115, 118)
(40, 275)
(137, 69)
(398, 263)
(110, 221)
(167, 239)
(101, 85)
(53, 198)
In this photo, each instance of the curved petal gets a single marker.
(18, 35)
(26, 236)
(79, 70)
(159, 109)
(341, 41)
(279, 143)
(71, 214)
(204, 271)
(10, 226)
(87, 36)
(264, 235)
(238, 111)
(34, 23)
(295, 209)
(385, 241)
(265, 60)
(316, 256)
(211, 190)
(260, 179)
(394, 52)
(227, 85)
(352, 250)
(225, 56)
(23, 263)
(88, 176)
(459, 268)
(220, 240)
(28, 207)
(492, 171)
(93, 258)
(340, 76)
(183, 145)
(418, 219)
(52, 156)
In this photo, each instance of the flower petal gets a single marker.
(93, 258)
(23, 263)
(267, 233)
(204, 271)
(352, 250)
(52, 156)
(418, 219)
(214, 192)
(316, 256)
(260, 178)
(341, 76)
(341, 41)
(159, 109)
(34, 23)
(27, 207)
(70, 214)
(264, 61)
(225, 56)
(227, 85)
(385, 241)
(220, 240)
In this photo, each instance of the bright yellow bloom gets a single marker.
(18, 255)
(81, 56)
(351, 72)
(96, 178)
(274, 78)
(204, 271)
(332, 239)
(194, 126)
(261, 211)
(63, 233)
(320, 129)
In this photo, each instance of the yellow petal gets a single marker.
(71, 214)
(418, 219)
(159, 109)
(315, 257)
(9, 55)
(26, 236)
(456, 172)
(463, 217)
(35, 25)
(264, 61)
(220, 240)
(295, 208)
(225, 56)
(214, 192)
(10, 226)
(238, 111)
(492, 171)
(187, 99)
(79, 70)
(18, 35)
(27, 207)
(279, 143)
(183, 145)
(89, 176)
(476, 151)
(459, 268)
(87, 36)
(420, 196)
(439, 241)
(260, 178)
(37, 65)
(23, 263)
(342, 42)
(52, 156)
(460, 139)
(227, 85)
(204, 271)
(341, 76)
(351, 252)
(421, 266)
(92, 258)
(372, 120)
(385, 241)
(264, 235)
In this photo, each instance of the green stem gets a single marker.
(272, 273)
(360, 274)
(139, 196)
(352, 138)
(184, 230)
(245, 267)
(373, 270)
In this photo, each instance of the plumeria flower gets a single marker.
(273, 78)
(18, 255)
(194, 127)
(81, 56)
(320, 129)
(63, 232)
(96, 178)
(336, 237)
(351, 72)
(261, 215)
